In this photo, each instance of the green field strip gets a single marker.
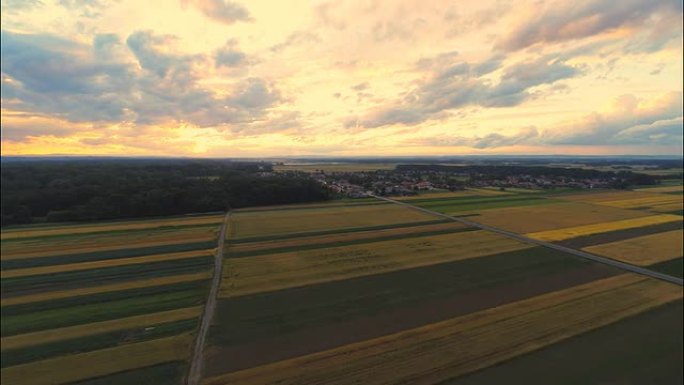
(169, 373)
(618, 235)
(95, 342)
(345, 243)
(674, 267)
(94, 312)
(264, 315)
(113, 232)
(102, 255)
(102, 298)
(525, 201)
(94, 277)
(372, 202)
(467, 201)
(335, 231)
(419, 202)
(643, 349)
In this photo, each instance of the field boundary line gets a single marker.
(522, 238)
(196, 362)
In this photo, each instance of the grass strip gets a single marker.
(102, 255)
(94, 312)
(112, 232)
(336, 231)
(345, 243)
(170, 373)
(95, 342)
(74, 279)
(102, 298)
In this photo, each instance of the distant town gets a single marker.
(407, 180)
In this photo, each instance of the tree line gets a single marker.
(87, 190)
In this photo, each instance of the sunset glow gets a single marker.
(214, 78)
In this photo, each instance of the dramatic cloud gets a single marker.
(493, 140)
(356, 77)
(453, 84)
(226, 12)
(81, 87)
(631, 121)
(557, 22)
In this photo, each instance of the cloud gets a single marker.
(21, 130)
(563, 21)
(493, 140)
(230, 56)
(631, 121)
(226, 12)
(453, 84)
(47, 75)
(360, 86)
(14, 6)
(294, 39)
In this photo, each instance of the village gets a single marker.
(405, 183)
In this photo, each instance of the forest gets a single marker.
(100, 189)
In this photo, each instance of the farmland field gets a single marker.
(314, 301)
(645, 250)
(437, 352)
(84, 303)
(298, 268)
(603, 356)
(349, 291)
(273, 223)
(552, 216)
(577, 231)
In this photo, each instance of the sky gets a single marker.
(217, 78)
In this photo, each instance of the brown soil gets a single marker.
(225, 359)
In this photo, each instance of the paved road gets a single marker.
(577, 253)
(196, 364)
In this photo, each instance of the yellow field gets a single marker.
(53, 335)
(572, 232)
(664, 189)
(333, 167)
(653, 201)
(343, 237)
(249, 224)
(437, 352)
(114, 226)
(159, 281)
(75, 367)
(645, 250)
(99, 242)
(552, 216)
(101, 264)
(242, 276)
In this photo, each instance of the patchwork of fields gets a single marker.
(380, 293)
(352, 291)
(643, 228)
(107, 303)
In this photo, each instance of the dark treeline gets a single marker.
(110, 189)
(619, 179)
